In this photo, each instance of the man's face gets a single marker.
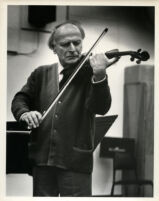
(68, 44)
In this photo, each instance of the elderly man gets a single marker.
(61, 146)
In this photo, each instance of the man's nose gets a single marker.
(72, 47)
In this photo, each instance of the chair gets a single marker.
(122, 152)
(126, 162)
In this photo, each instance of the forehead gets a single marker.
(67, 31)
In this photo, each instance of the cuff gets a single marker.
(96, 82)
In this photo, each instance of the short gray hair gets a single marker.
(73, 22)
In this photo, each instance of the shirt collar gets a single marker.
(60, 67)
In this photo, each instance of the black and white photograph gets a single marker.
(80, 99)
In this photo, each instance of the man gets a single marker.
(61, 145)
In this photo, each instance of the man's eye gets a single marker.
(76, 43)
(65, 44)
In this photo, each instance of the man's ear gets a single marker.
(54, 49)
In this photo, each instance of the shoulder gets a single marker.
(44, 69)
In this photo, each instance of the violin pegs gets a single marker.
(132, 59)
(139, 50)
(138, 61)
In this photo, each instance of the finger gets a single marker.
(30, 126)
(35, 119)
(92, 61)
(100, 59)
(31, 120)
(113, 61)
(25, 119)
(39, 116)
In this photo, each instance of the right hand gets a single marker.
(32, 118)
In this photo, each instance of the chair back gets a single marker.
(111, 145)
(124, 161)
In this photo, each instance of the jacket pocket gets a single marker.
(82, 160)
(83, 150)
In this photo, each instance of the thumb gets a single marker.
(113, 61)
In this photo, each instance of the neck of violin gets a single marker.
(115, 53)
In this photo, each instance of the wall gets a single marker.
(126, 32)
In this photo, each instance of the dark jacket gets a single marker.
(66, 136)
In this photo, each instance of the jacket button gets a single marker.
(59, 102)
(56, 116)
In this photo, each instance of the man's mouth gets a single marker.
(72, 57)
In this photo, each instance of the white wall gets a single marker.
(124, 35)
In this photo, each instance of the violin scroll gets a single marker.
(145, 56)
(139, 55)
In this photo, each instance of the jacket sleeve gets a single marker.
(23, 100)
(99, 99)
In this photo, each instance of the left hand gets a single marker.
(99, 63)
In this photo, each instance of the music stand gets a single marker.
(102, 126)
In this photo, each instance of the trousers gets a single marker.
(53, 181)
